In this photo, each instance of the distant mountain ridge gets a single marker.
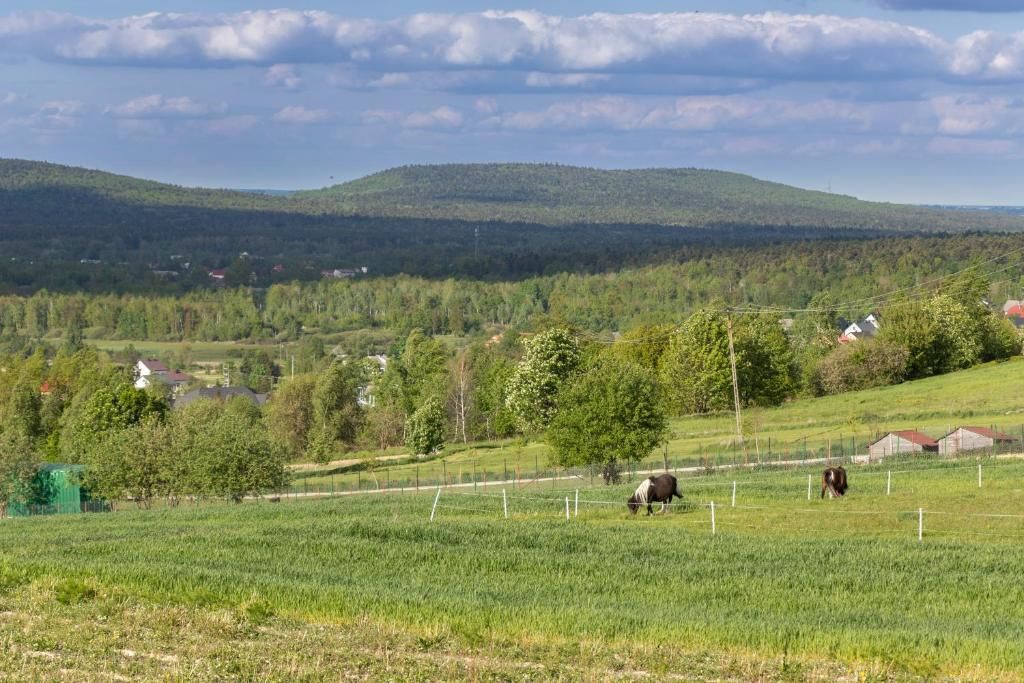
(71, 228)
(541, 194)
(558, 195)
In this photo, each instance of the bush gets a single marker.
(860, 365)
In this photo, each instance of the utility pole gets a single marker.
(735, 385)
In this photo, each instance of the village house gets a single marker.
(864, 329)
(149, 371)
(1013, 309)
(342, 273)
(964, 439)
(906, 441)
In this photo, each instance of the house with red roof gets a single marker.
(905, 441)
(964, 439)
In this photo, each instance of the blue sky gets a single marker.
(896, 100)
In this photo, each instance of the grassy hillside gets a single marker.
(989, 395)
(555, 195)
(368, 588)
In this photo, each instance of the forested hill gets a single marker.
(558, 195)
(541, 194)
(65, 228)
(28, 186)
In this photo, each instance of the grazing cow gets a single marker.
(833, 480)
(653, 489)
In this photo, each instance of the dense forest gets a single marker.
(783, 276)
(70, 229)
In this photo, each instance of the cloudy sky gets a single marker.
(901, 100)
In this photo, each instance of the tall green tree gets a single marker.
(425, 431)
(337, 416)
(138, 462)
(551, 358)
(765, 363)
(961, 330)
(912, 326)
(423, 369)
(107, 409)
(695, 369)
(290, 414)
(229, 456)
(611, 412)
(18, 467)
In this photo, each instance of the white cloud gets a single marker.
(391, 80)
(282, 76)
(381, 116)
(10, 98)
(297, 115)
(158, 106)
(52, 116)
(702, 113)
(536, 79)
(442, 117)
(581, 49)
(963, 115)
(486, 105)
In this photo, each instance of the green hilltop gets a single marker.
(544, 194)
(556, 195)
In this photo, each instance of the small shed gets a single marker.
(972, 439)
(906, 441)
(54, 491)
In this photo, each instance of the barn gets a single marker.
(906, 441)
(972, 439)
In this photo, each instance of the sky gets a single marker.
(916, 101)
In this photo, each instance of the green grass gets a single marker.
(201, 352)
(783, 588)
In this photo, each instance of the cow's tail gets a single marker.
(678, 493)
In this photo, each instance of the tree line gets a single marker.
(781, 276)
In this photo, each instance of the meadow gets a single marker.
(368, 587)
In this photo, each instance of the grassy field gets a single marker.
(990, 395)
(366, 587)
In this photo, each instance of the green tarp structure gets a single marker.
(55, 491)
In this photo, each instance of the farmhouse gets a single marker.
(906, 441)
(971, 439)
(149, 371)
(866, 328)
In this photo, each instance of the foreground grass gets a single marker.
(366, 586)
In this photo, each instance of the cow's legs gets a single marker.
(650, 509)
